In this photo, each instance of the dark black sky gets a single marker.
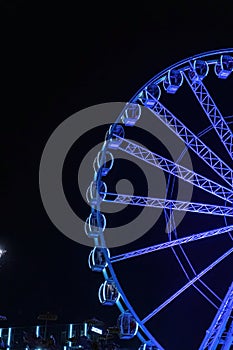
(57, 59)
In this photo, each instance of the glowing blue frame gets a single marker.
(193, 142)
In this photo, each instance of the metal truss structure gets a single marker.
(189, 74)
(217, 333)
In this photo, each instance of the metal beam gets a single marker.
(167, 204)
(192, 141)
(187, 285)
(175, 169)
(228, 341)
(172, 243)
(215, 117)
(214, 333)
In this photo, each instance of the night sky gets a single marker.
(55, 61)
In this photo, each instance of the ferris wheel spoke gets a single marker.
(172, 227)
(192, 141)
(194, 285)
(169, 244)
(215, 117)
(187, 285)
(204, 285)
(167, 204)
(218, 325)
(175, 169)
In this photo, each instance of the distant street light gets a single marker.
(2, 251)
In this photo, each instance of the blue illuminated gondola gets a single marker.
(115, 135)
(104, 162)
(127, 325)
(96, 192)
(97, 260)
(173, 81)
(108, 293)
(150, 95)
(224, 66)
(131, 114)
(95, 224)
(199, 71)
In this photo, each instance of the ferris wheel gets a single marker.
(182, 269)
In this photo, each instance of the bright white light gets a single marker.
(2, 251)
(96, 330)
(85, 329)
(70, 333)
(9, 338)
